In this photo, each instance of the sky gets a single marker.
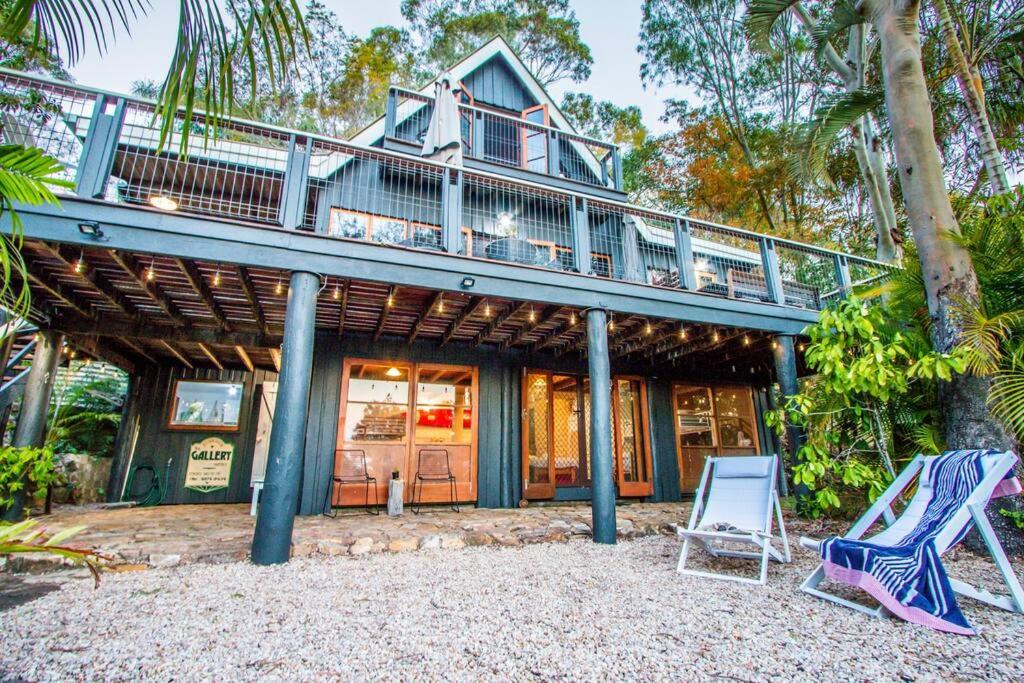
(609, 27)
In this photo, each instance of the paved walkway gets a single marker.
(182, 534)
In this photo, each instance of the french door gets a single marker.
(392, 410)
(556, 434)
(711, 421)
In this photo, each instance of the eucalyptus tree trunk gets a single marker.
(973, 93)
(949, 275)
(867, 145)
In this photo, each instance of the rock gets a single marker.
(430, 542)
(164, 560)
(401, 545)
(449, 542)
(362, 546)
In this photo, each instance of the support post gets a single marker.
(31, 427)
(843, 276)
(772, 273)
(581, 236)
(391, 113)
(602, 481)
(784, 354)
(100, 147)
(476, 150)
(451, 210)
(272, 540)
(684, 256)
(554, 154)
(294, 190)
(617, 169)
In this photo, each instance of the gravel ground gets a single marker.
(553, 611)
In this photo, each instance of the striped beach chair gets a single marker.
(900, 567)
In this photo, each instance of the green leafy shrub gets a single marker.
(28, 537)
(872, 395)
(21, 467)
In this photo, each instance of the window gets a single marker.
(363, 226)
(201, 405)
(601, 265)
(377, 403)
(426, 235)
(711, 421)
(444, 410)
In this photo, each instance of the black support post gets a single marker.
(272, 540)
(581, 235)
(295, 188)
(602, 482)
(31, 427)
(772, 273)
(784, 354)
(100, 147)
(684, 255)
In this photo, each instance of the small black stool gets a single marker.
(350, 468)
(432, 464)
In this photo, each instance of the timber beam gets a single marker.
(206, 335)
(202, 289)
(471, 309)
(385, 310)
(509, 313)
(538, 323)
(81, 266)
(131, 266)
(250, 295)
(432, 303)
(62, 293)
(343, 306)
(176, 353)
(97, 349)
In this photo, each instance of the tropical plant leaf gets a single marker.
(841, 18)
(1006, 399)
(814, 138)
(760, 19)
(64, 27)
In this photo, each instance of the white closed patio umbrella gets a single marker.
(443, 141)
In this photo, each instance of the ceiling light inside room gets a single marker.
(393, 372)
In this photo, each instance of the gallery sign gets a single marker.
(209, 465)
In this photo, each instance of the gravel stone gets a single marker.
(562, 611)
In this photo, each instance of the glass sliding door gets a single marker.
(445, 400)
(711, 421)
(538, 463)
(633, 451)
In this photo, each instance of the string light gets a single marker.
(775, 344)
(440, 305)
(682, 332)
(151, 273)
(800, 348)
(216, 278)
(714, 336)
(80, 263)
(278, 288)
(746, 340)
(611, 323)
(391, 299)
(533, 315)
(648, 329)
(487, 310)
(572, 318)
(337, 292)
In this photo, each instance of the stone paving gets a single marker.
(182, 534)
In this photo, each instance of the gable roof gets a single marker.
(496, 46)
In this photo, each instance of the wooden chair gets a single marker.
(350, 468)
(432, 464)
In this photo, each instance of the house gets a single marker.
(286, 302)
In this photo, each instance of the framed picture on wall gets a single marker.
(198, 405)
(349, 224)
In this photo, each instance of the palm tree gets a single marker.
(200, 76)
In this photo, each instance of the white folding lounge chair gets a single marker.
(995, 467)
(741, 495)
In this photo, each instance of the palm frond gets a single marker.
(842, 18)
(984, 336)
(760, 19)
(815, 137)
(1006, 399)
(201, 74)
(66, 27)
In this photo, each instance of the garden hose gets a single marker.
(154, 494)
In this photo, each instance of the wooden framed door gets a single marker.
(535, 142)
(375, 417)
(392, 409)
(538, 424)
(631, 437)
(556, 434)
(445, 404)
(711, 420)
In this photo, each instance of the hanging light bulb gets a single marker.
(337, 292)
(775, 344)
(611, 324)
(572, 318)
(391, 299)
(80, 263)
(746, 340)
(715, 337)
(151, 273)
(800, 348)
(487, 310)
(648, 329)
(278, 288)
(216, 278)
(440, 305)
(682, 332)
(533, 315)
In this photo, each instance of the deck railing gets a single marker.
(509, 141)
(270, 176)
